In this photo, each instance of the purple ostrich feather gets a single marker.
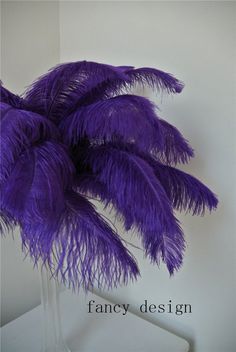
(78, 131)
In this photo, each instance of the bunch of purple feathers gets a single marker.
(77, 132)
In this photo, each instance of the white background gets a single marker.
(196, 42)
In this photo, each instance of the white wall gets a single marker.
(195, 41)
(29, 47)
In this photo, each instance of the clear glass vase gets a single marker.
(51, 321)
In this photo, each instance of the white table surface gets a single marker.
(91, 332)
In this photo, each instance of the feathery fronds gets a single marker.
(57, 92)
(76, 130)
(10, 98)
(184, 190)
(86, 250)
(129, 119)
(124, 176)
(20, 130)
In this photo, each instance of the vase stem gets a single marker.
(52, 331)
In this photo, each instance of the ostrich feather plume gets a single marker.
(78, 131)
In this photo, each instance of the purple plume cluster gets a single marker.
(78, 132)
